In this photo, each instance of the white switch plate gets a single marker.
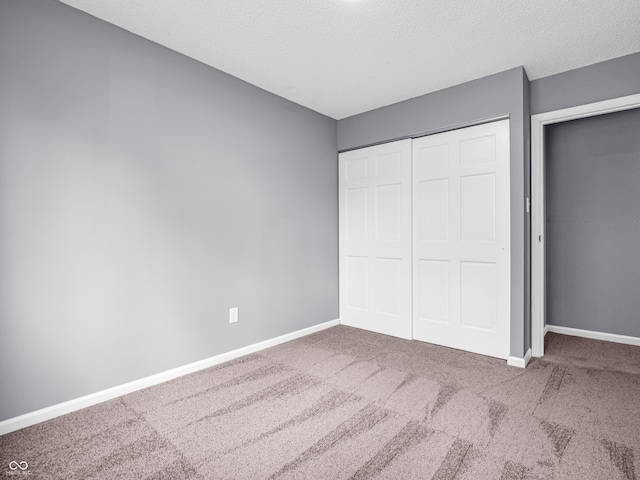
(233, 315)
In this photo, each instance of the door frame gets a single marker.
(538, 122)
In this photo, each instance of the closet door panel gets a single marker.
(461, 238)
(375, 238)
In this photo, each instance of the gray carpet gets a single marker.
(345, 403)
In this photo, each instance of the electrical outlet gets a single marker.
(233, 315)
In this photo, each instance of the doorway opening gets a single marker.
(538, 234)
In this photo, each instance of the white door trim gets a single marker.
(538, 122)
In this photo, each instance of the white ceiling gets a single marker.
(343, 57)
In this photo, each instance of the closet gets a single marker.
(425, 238)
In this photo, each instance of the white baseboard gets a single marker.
(545, 330)
(607, 337)
(519, 362)
(54, 411)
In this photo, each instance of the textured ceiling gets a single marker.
(343, 57)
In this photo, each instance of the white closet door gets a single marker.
(375, 238)
(461, 239)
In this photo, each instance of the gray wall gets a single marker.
(496, 95)
(142, 194)
(614, 78)
(602, 81)
(593, 223)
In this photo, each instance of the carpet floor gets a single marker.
(350, 404)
